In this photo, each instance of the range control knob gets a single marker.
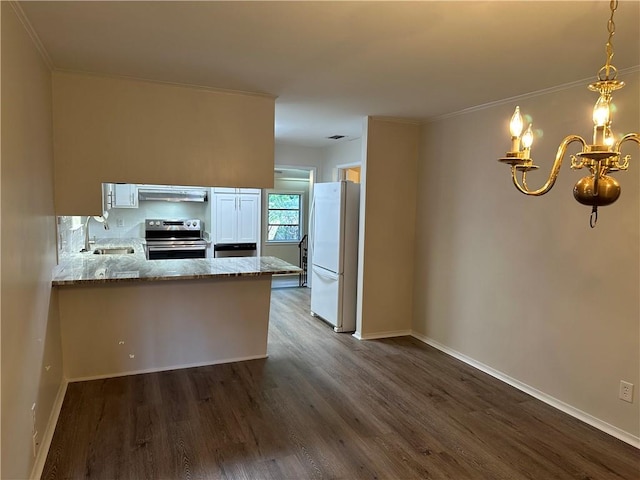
(188, 224)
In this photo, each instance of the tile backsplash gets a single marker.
(70, 234)
(126, 222)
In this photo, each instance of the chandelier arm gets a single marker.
(555, 170)
(634, 137)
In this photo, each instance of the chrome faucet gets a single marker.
(102, 220)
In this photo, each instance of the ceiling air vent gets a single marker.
(335, 137)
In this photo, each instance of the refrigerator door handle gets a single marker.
(321, 272)
(312, 228)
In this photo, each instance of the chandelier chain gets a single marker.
(611, 28)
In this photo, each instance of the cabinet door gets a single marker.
(248, 208)
(226, 217)
(125, 195)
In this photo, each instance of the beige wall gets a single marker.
(125, 328)
(387, 230)
(522, 284)
(295, 155)
(340, 154)
(31, 358)
(121, 130)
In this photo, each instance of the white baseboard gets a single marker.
(165, 369)
(379, 335)
(548, 399)
(47, 437)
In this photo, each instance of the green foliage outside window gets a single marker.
(283, 219)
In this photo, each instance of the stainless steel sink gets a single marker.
(113, 251)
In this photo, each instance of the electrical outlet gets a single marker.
(120, 222)
(626, 391)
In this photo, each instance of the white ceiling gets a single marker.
(330, 64)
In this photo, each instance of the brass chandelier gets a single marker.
(601, 157)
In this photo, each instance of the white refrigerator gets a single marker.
(334, 253)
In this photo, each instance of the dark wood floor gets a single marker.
(325, 405)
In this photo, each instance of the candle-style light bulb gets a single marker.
(527, 137)
(601, 111)
(608, 137)
(516, 123)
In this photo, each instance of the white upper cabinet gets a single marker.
(125, 195)
(120, 195)
(236, 216)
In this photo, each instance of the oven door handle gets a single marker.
(176, 247)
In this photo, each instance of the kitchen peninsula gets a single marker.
(123, 314)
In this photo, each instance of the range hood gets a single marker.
(171, 194)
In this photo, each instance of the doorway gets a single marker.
(349, 172)
(294, 184)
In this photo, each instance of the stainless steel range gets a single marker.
(174, 239)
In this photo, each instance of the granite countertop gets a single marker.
(89, 268)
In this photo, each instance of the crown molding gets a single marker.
(391, 119)
(537, 93)
(133, 78)
(32, 33)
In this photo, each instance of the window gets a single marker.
(284, 217)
